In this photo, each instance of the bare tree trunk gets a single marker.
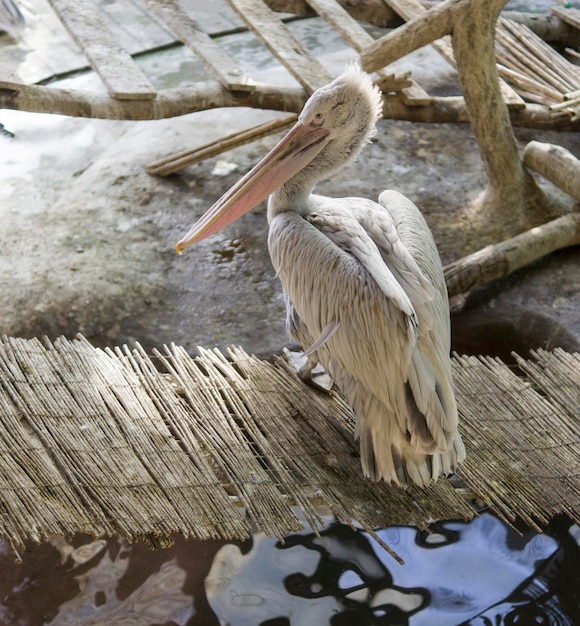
(508, 181)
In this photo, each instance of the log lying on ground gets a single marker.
(501, 259)
(556, 164)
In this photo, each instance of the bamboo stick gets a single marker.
(176, 162)
(543, 51)
(529, 84)
(530, 61)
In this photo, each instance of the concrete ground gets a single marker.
(87, 236)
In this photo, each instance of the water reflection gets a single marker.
(478, 574)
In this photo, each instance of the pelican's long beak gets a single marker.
(302, 143)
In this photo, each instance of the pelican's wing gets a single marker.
(334, 276)
(394, 243)
(430, 375)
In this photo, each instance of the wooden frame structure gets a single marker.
(130, 94)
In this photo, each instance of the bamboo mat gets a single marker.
(145, 446)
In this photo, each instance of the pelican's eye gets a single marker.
(318, 118)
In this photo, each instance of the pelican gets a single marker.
(363, 282)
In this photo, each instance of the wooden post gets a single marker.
(508, 181)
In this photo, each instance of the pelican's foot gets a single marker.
(311, 372)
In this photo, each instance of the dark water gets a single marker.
(480, 573)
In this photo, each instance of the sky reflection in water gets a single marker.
(479, 573)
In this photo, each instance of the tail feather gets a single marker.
(388, 454)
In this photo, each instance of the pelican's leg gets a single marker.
(309, 370)
(305, 370)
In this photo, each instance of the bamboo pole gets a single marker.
(170, 165)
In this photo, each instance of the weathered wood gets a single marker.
(548, 27)
(169, 102)
(372, 11)
(268, 28)
(208, 95)
(534, 58)
(527, 84)
(413, 10)
(571, 107)
(556, 164)
(509, 184)
(112, 63)
(502, 259)
(170, 165)
(189, 32)
(570, 15)
(420, 31)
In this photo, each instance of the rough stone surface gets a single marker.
(87, 236)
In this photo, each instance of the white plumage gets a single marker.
(365, 290)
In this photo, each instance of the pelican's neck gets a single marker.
(294, 195)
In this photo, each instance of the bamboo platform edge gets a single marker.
(118, 441)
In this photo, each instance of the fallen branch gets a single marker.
(556, 164)
(501, 259)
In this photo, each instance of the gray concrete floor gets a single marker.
(87, 236)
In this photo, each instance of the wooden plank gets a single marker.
(356, 36)
(189, 32)
(372, 11)
(113, 64)
(348, 28)
(268, 28)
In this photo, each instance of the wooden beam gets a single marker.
(502, 259)
(372, 11)
(189, 32)
(555, 163)
(570, 15)
(420, 31)
(269, 29)
(205, 95)
(113, 64)
(175, 163)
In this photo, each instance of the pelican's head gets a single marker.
(348, 108)
(335, 123)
